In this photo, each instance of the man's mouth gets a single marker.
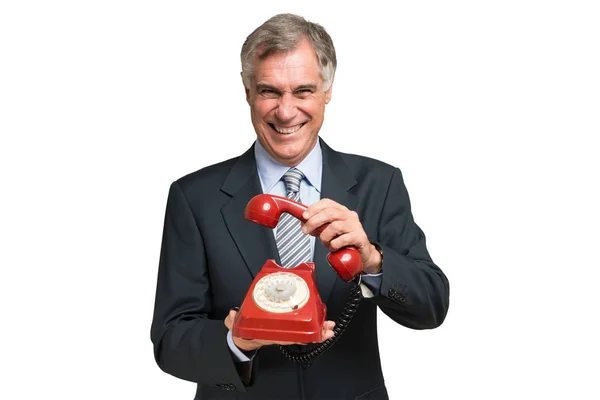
(286, 130)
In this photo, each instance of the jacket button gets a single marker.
(226, 386)
(396, 296)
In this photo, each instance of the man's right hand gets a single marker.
(253, 344)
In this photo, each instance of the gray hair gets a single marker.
(282, 33)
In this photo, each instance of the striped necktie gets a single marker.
(292, 244)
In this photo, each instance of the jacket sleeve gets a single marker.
(414, 291)
(187, 343)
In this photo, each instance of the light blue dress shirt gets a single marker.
(271, 174)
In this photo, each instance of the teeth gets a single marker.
(287, 130)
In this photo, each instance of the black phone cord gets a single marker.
(308, 356)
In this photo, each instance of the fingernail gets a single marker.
(304, 230)
(235, 308)
(305, 215)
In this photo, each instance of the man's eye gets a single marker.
(304, 92)
(268, 92)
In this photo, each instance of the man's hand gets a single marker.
(249, 345)
(344, 229)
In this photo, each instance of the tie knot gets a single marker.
(292, 180)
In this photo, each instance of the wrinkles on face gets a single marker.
(287, 103)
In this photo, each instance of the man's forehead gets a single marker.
(308, 84)
(291, 61)
(275, 76)
(271, 75)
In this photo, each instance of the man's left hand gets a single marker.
(343, 229)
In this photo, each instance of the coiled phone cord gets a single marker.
(308, 356)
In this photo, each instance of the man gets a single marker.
(210, 253)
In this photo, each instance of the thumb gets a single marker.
(230, 318)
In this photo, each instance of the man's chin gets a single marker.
(291, 160)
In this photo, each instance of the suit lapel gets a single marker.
(336, 183)
(255, 243)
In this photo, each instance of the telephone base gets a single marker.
(285, 321)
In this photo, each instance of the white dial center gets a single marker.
(281, 292)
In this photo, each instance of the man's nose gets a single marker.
(286, 108)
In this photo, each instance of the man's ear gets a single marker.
(328, 93)
(247, 90)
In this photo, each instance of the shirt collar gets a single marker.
(270, 171)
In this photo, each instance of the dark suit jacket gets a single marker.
(210, 255)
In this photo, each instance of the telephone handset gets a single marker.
(265, 209)
(283, 304)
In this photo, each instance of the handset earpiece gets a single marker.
(265, 209)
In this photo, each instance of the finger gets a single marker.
(272, 342)
(320, 206)
(317, 221)
(328, 332)
(347, 239)
(333, 230)
(328, 335)
(329, 325)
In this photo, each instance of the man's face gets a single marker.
(287, 103)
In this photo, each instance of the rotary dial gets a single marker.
(281, 292)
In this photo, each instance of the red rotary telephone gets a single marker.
(283, 304)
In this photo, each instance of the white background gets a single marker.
(489, 108)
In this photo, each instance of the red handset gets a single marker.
(265, 209)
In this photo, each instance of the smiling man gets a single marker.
(210, 254)
(287, 98)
